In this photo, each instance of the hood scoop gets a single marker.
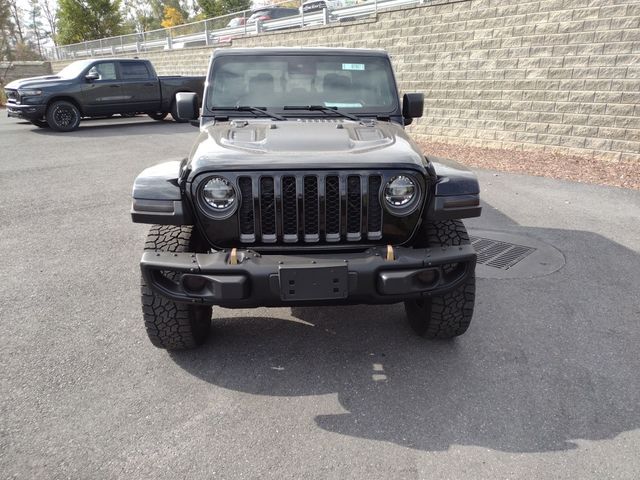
(295, 137)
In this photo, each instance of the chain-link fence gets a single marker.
(221, 30)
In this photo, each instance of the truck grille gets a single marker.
(310, 208)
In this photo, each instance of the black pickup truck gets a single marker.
(97, 88)
(303, 188)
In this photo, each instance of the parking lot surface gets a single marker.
(545, 383)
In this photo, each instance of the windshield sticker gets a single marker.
(342, 105)
(353, 66)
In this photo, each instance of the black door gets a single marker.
(105, 94)
(141, 87)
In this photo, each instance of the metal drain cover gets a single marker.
(506, 255)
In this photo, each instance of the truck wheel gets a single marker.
(158, 115)
(171, 325)
(448, 315)
(40, 123)
(63, 116)
(174, 113)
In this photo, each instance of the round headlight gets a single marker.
(219, 194)
(400, 191)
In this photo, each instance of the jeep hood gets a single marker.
(304, 143)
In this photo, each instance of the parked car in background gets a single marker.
(312, 6)
(271, 13)
(97, 88)
(236, 22)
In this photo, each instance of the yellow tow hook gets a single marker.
(391, 256)
(233, 256)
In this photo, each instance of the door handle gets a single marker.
(114, 86)
(148, 84)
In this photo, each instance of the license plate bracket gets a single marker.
(328, 281)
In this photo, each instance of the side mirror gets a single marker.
(187, 106)
(412, 106)
(92, 75)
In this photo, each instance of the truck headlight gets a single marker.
(401, 195)
(29, 92)
(219, 194)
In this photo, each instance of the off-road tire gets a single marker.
(40, 123)
(158, 115)
(63, 116)
(174, 113)
(448, 315)
(171, 325)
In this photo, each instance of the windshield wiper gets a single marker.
(247, 108)
(321, 108)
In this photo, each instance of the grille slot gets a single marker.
(267, 210)
(374, 218)
(247, 220)
(311, 213)
(354, 208)
(300, 207)
(332, 208)
(289, 209)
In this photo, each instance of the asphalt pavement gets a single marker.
(545, 384)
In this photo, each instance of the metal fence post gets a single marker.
(169, 43)
(206, 34)
(100, 47)
(325, 16)
(244, 21)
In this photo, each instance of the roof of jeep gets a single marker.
(299, 51)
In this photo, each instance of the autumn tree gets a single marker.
(172, 17)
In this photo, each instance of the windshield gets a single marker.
(358, 84)
(74, 69)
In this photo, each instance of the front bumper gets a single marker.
(256, 280)
(26, 112)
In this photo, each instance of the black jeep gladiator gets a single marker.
(97, 88)
(303, 188)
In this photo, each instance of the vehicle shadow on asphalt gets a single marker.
(117, 127)
(547, 361)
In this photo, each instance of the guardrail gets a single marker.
(217, 30)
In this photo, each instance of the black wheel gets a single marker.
(158, 115)
(171, 325)
(174, 113)
(448, 315)
(40, 123)
(63, 116)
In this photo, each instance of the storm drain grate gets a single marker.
(497, 254)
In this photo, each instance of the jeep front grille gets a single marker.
(310, 208)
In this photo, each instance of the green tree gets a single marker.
(216, 8)
(7, 32)
(141, 15)
(36, 29)
(80, 20)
